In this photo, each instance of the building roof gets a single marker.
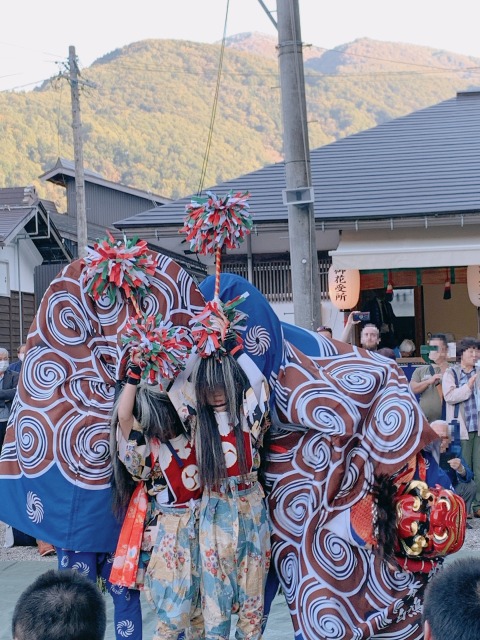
(21, 211)
(425, 164)
(65, 170)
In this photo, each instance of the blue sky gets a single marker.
(36, 35)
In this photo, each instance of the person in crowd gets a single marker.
(426, 380)
(370, 337)
(348, 328)
(382, 316)
(60, 605)
(8, 388)
(407, 348)
(451, 607)
(232, 415)
(454, 465)
(388, 353)
(157, 454)
(17, 365)
(325, 331)
(458, 386)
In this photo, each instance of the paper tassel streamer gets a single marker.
(217, 323)
(389, 289)
(447, 291)
(217, 222)
(163, 347)
(113, 266)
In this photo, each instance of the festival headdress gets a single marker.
(163, 347)
(114, 266)
(211, 224)
(124, 268)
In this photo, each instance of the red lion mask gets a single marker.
(430, 521)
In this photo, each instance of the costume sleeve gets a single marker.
(255, 376)
(135, 454)
(452, 393)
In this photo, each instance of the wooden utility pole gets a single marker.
(299, 192)
(82, 238)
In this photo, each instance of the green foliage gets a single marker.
(146, 122)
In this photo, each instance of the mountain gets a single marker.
(147, 108)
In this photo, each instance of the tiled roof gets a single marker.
(17, 206)
(424, 164)
(66, 168)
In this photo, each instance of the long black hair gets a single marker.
(158, 419)
(210, 375)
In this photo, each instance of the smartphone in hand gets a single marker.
(361, 316)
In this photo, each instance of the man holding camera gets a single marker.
(453, 463)
(426, 380)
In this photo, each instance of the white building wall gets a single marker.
(17, 264)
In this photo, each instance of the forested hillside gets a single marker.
(146, 120)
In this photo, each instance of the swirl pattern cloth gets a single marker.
(55, 467)
(341, 415)
(360, 420)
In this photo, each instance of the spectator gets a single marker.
(17, 365)
(325, 331)
(454, 465)
(451, 607)
(347, 330)
(8, 387)
(382, 316)
(370, 337)
(60, 605)
(387, 353)
(407, 348)
(426, 380)
(458, 386)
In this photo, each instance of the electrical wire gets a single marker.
(214, 106)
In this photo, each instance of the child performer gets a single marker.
(234, 532)
(158, 455)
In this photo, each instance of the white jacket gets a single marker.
(456, 395)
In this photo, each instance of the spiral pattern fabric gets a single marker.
(55, 467)
(360, 420)
(341, 416)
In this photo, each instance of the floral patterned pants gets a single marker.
(235, 557)
(172, 580)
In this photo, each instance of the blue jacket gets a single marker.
(455, 477)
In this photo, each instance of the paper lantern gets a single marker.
(344, 287)
(473, 284)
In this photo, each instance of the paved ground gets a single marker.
(16, 575)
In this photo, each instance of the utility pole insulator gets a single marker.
(82, 237)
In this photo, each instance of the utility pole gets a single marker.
(299, 192)
(82, 238)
